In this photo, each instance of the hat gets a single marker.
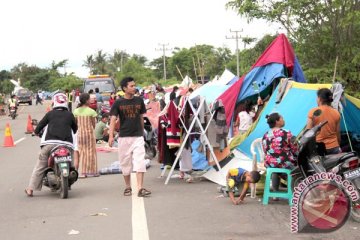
(231, 183)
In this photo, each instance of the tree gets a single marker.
(321, 31)
(89, 63)
(100, 63)
(68, 82)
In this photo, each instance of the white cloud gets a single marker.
(40, 31)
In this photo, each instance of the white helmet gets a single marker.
(60, 101)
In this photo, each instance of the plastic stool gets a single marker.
(267, 193)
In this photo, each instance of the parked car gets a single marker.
(24, 96)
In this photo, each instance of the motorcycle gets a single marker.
(150, 139)
(13, 112)
(60, 174)
(312, 159)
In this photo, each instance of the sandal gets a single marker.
(28, 194)
(128, 191)
(143, 192)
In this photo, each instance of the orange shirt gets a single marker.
(328, 133)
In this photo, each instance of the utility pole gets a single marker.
(236, 37)
(164, 49)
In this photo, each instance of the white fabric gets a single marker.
(73, 146)
(219, 177)
(246, 120)
(186, 160)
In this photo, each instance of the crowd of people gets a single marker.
(123, 123)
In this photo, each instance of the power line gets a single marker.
(164, 49)
(237, 36)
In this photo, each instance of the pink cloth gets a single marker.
(152, 113)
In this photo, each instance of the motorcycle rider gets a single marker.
(61, 123)
(12, 103)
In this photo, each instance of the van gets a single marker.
(105, 84)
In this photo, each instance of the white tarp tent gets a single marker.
(225, 78)
(186, 82)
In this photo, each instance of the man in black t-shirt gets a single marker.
(130, 110)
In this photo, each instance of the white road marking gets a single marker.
(139, 222)
(20, 140)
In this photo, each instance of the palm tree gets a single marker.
(89, 63)
(100, 63)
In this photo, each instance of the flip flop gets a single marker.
(143, 192)
(28, 194)
(128, 191)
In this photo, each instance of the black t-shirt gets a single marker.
(129, 111)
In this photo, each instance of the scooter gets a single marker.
(311, 160)
(13, 112)
(60, 174)
(150, 139)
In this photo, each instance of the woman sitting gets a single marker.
(330, 132)
(278, 147)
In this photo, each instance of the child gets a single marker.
(237, 177)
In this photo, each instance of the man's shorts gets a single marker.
(132, 154)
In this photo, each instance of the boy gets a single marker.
(237, 177)
(101, 129)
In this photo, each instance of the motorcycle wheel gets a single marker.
(150, 151)
(64, 187)
(13, 116)
(355, 211)
(296, 180)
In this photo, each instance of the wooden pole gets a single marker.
(336, 63)
(196, 76)
(180, 72)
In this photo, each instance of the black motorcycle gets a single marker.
(312, 159)
(13, 113)
(150, 139)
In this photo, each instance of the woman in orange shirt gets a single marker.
(330, 132)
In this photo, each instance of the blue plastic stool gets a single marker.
(267, 193)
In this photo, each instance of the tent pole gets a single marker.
(346, 129)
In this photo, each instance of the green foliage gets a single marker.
(135, 69)
(68, 82)
(321, 31)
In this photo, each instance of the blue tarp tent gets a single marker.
(294, 107)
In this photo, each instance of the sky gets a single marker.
(40, 31)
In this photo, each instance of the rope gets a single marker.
(346, 129)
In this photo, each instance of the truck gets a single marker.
(104, 82)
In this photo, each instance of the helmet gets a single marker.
(231, 183)
(60, 101)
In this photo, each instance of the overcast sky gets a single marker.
(40, 31)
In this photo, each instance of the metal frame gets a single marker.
(188, 133)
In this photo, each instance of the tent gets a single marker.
(277, 61)
(186, 82)
(294, 107)
(212, 90)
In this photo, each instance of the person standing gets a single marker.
(70, 99)
(130, 110)
(99, 99)
(85, 117)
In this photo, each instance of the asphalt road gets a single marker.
(176, 211)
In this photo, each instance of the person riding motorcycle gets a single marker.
(12, 102)
(61, 123)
